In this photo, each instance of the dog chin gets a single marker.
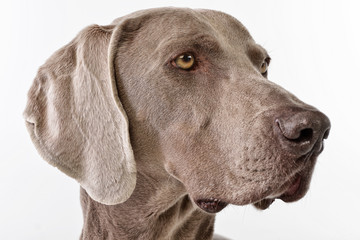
(263, 204)
(294, 191)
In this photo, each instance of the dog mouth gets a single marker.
(290, 190)
(294, 191)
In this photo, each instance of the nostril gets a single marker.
(305, 136)
(295, 132)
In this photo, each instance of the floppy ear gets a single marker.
(76, 120)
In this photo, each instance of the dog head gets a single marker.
(194, 82)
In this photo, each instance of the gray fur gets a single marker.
(147, 140)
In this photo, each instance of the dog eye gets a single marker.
(185, 61)
(264, 66)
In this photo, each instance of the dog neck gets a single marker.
(159, 208)
(147, 214)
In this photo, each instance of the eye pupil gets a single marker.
(186, 58)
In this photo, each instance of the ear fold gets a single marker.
(76, 120)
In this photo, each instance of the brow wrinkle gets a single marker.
(201, 42)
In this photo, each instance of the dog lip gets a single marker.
(294, 187)
(211, 205)
(294, 192)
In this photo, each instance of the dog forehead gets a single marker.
(225, 24)
(185, 20)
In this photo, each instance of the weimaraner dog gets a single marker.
(165, 117)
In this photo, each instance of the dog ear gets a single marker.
(75, 117)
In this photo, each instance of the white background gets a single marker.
(315, 50)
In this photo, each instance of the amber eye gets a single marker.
(185, 61)
(264, 67)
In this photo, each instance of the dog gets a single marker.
(165, 117)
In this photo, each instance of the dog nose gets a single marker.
(301, 131)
